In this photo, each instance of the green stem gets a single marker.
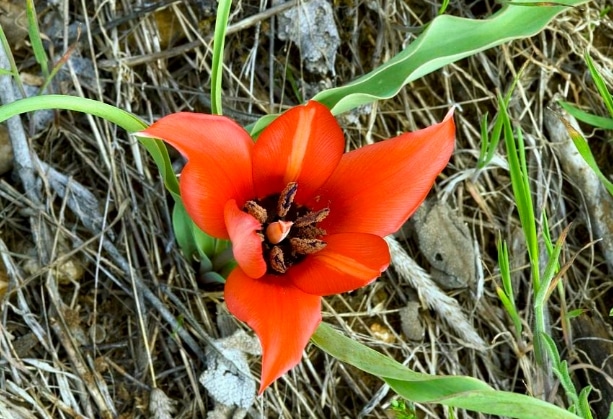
(221, 24)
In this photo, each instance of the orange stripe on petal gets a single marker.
(376, 188)
(302, 145)
(218, 168)
(299, 144)
(246, 242)
(282, 316)
(349, 261)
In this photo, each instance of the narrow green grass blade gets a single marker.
(520, 183)
(35, 39)
(219, 39)
(506, 294)
(509, 306)
(483, 159)
(551, 268)
(13, 71)
(588, 118)
(547, 239)
(600, 84)
(586, 153)
(443, 7)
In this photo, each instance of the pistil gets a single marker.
(277, 232)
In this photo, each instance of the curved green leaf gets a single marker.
(446, 39)
(122, 118)
(456, 391)
(117, 116)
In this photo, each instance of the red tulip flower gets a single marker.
(305, 219)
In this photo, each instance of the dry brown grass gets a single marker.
(103, 317)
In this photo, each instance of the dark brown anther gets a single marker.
(286, 199)
(306, 246)
(277, 260)
(256, 211)
(310, 232)
(312, 217)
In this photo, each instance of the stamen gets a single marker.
(289, 231)
(256, 211)
(277, 231)
(306, 246)
(286, 199)
(277, 260)
(310, 232)
(312, 217)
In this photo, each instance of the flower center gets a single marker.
(289, 231)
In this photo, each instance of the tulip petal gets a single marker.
(218, 168)
(283, 317)
(349, 261)
(376, 188)
(302, 145)
(246, 242)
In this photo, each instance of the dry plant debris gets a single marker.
(128, 337)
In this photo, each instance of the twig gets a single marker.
(181, 49)
(432, 296)
(24, 164)
(85, 206)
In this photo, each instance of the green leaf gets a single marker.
(551, 347)
(575, 313)
(454, 391)
(205, 244)
(588, 118)
(122, 118)
(435, 48)
(183, 227)
(256, 128)
(585, 151)
(584, 404)
(427, 387)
